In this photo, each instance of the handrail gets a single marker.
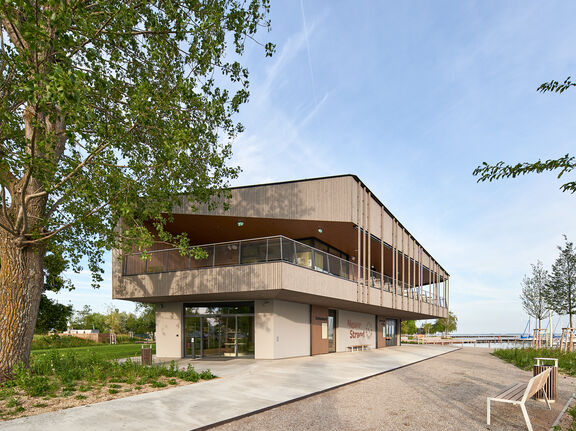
(261, 250)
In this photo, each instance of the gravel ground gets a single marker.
(444, 393)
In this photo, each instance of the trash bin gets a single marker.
(552, 383)
(146, 355)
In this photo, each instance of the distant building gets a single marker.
(294, 268)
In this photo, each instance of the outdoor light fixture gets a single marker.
(240, 223)
(320, 230)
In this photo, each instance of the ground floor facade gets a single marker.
(266, 329)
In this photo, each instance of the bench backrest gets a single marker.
(536, 383)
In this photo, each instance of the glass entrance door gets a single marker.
(193, 337)
(244, 335)
(211, 336)
(219, 330)
(331, 331)
(391, 332)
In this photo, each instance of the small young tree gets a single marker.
(428, 328)
(560, 290)
(446, 325)
(409, 327)
(533, 293)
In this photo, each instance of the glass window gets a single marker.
(253, 251)
(303, 255)
(273, 249)
(219, 308)
(288, 250)
(226, 254)
(207, 261)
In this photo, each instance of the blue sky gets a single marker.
(411, 97)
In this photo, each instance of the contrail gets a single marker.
(308, 51)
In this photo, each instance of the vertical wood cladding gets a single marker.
(323, 199)
(318, 316)
(380, 331)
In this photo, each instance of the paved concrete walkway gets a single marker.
(246, 386)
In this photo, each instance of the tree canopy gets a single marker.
(561, 288)
(533, 294)
(110, 113)
(446, 325)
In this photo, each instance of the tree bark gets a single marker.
(21, 283)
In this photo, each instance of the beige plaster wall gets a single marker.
(282, 329)
(354, 329)
(291, 329)
(169, 330)
(264, 329)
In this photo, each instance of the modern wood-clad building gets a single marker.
(292, 269)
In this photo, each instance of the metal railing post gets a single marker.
(313, 260)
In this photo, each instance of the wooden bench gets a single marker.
(358, 347)
(520, 393)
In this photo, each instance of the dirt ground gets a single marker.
(29, 406)
(444, 393)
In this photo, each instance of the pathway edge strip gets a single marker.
(557, 421)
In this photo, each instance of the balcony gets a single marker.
(265, 250)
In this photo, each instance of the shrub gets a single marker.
(13, 402)
(206, 375)
(35, 386)
(41, 342)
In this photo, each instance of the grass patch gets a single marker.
(103, 351)
(524, 358)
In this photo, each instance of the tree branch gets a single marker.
(75, 170)
(556, 86)
(10, 227)
(100, 30)
(565, 164)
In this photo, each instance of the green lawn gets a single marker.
(103, 351)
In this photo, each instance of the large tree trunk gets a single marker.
(21, 283)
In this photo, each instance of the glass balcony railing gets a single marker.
(260, 250)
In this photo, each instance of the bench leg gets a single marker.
(488, 411)
(546, 398)
(526, 418)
